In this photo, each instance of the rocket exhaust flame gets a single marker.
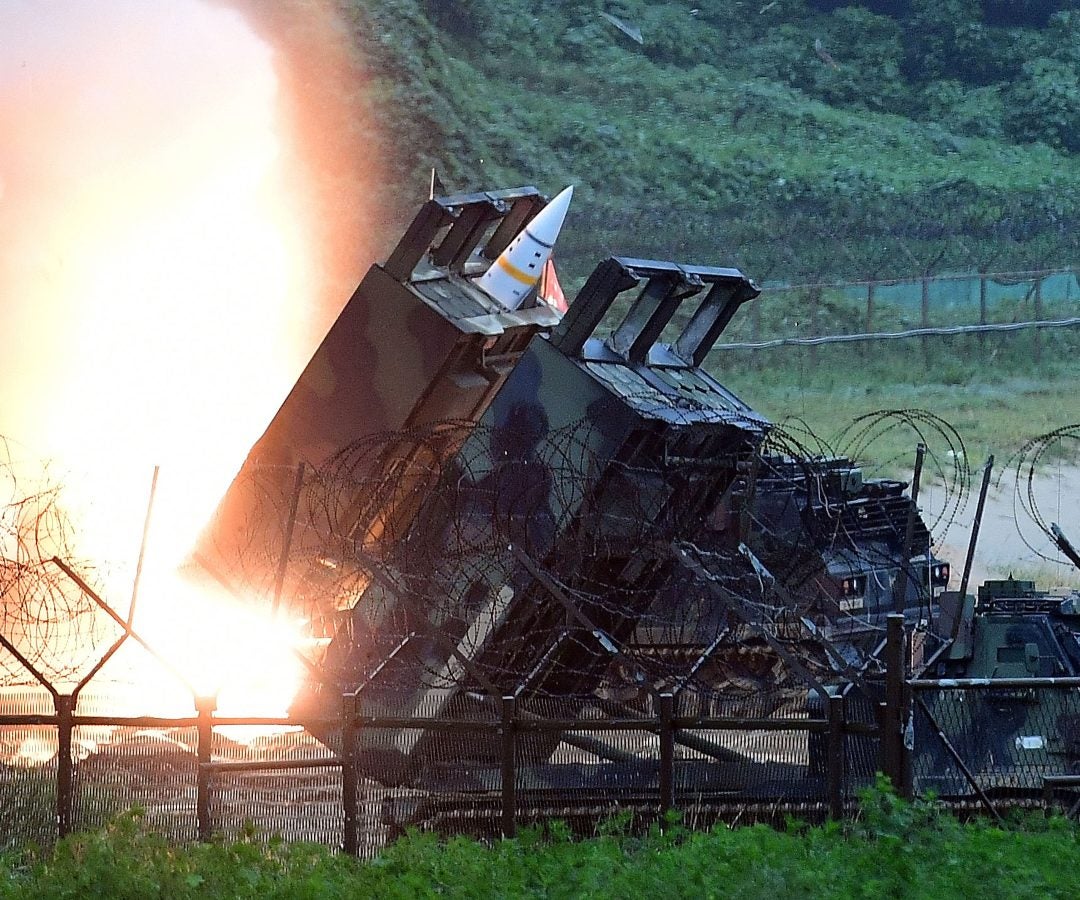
(164, 276)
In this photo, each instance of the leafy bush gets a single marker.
(761, 135)
(1044, 105)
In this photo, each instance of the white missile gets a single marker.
(517, 269)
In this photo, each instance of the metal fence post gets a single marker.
(205, 707)
(837, 755)
(907, 744)
(65, 705)
(667, 753)
(508, 731)
(755, 332)
(892, 732)
(350, 783)
(924, 317)
(870, 307)
(1038, 318)
(982, 308)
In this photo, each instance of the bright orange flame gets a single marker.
(163, 276)
(235, 653)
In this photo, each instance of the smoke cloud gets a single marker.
(184, 206)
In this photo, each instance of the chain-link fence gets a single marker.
(927, 319)
(993, 740)
(511, 763)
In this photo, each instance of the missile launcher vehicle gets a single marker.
(418, 347)
(469, 501)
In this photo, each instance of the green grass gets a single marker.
(894, 849)
(723, 140)
(996, 405)
(1046, 576)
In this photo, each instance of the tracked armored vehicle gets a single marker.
(1004, 712)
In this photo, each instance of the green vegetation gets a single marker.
(894, 849)
(793, 138)
(995, 408)
(800, 140)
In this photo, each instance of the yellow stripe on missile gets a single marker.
(514, 272)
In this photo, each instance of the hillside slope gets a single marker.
(788, 139)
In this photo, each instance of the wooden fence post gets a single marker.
(667, 754)
(892, 730)
(205, 707)
(350, 781)
(65, 781)
(508, 731)
(837, 754)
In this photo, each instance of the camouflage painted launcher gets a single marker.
(557, 511)
(416, 344)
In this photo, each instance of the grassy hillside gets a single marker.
(779, 137)
(797, 140)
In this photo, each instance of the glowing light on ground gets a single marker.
(35, 751)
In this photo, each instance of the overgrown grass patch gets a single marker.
(996, 406)
(894, 849)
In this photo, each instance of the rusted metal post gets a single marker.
(836, 744)
(142, 547)
(892, 731)
(350, 782)
(974, 539)
(900, 585)
(205, 707)
(667, 753)
(507, 730)
(907, 743)
(286, 542)
(65, 780)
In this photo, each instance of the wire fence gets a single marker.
(503, 626)
(537, 632)
(510, 764)
(991, 741)
(984, 306)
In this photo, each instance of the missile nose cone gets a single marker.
(548, 222)
(517, 269)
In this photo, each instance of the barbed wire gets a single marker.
(1003, 277)
(1029, 464)
(47, 618)
(414, 548)
(463, 558)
